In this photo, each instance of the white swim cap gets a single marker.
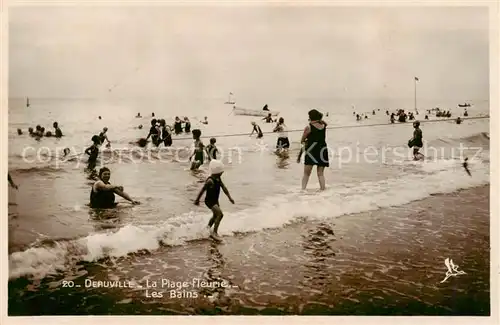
(216, 167)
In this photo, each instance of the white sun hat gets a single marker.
(216, 167)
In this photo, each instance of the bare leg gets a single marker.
(307, 173)
(212, 220)
(321, 177)
(218, 213)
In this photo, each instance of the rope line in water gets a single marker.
(338, 127)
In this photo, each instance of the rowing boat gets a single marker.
(253, 112)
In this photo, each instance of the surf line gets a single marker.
(338, 127)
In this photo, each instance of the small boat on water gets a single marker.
(253, 112)
(464, 105)
(230, 99)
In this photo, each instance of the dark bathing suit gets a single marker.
(417, 141)
(258, 130)
(212, 194)
(178, 128)
(283, 143)
(155, 136)
(316, 149)
(198, 153)
(102, 199)
(167, 137)
(212, 151)
(102, 137)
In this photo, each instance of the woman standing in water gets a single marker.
(314, 148)
(102, 195)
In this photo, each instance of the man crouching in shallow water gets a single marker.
(102, 195)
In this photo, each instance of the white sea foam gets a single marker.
(441, 176)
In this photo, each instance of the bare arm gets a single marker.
(204, 188)
(125, 195)
(225, 190)
(306, 133)
(100, 186)
(11, 182)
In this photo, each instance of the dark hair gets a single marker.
(153, 121)
(315, 115)
(281, 120)
(196, 133)
(30, 130)
(162, 122)
(102, 170)
(55, 124)
(212, 140)
(96, 139)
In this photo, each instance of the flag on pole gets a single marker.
(416, 78)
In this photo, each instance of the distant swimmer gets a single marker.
(393, 118)
(212, 186)
(100, 117)
(38, 131)
(199, 148)
(212, 150)
(48, 134)
(30, 132)
(102, 194)
(103, 136)
(416, 141)
(93, 153)
(315, 148)
(19, 132)
(257, 130)
(459, 120)
(57, 130)
(154, 133)
(140, 127)
(265, 108)
(283, 143)
(187, 125)
(11, 182)
(268, 118)
(373, 112)
(153, 114)
(138, 115)
(426, 117)
(466, 166)
(205, 121)
(466, 114)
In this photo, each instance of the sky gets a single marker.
(264, 51)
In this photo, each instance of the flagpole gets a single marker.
(415, 98)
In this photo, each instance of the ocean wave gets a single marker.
(433, 177)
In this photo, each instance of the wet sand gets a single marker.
(384, 262)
